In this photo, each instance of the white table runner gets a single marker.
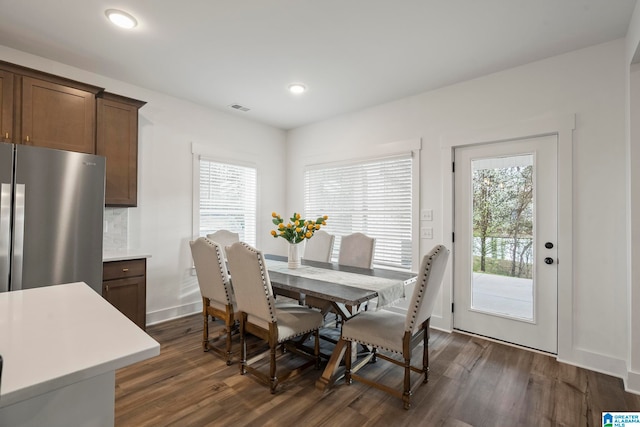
(389, 290)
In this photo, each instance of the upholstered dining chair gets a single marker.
(356, 250)
(224, 238)
(217, 293)
(260, 317)
(320, 247)
(400, 334)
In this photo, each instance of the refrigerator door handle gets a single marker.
(18, 237)
(5, 235)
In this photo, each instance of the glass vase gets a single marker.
(294, 255)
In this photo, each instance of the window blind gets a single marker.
(228, 199)
(373, 197)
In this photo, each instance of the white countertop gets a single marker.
(124, 254)
(54, 336)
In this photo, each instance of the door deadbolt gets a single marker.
(548, 245)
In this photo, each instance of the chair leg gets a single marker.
(347, 363)
(229, 353)
(272, 368)
(205, 330)
(406, 394)
(316, 347)
(425, 355)
(243, 350)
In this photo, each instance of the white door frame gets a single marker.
(563, 127)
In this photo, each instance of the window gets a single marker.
(227, 199)
(373, 197)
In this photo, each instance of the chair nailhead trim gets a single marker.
(423, 285)
(281, 339)
(222, 267)
(264, 282)
(371, 345)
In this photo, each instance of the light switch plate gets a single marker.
(426, 233)
(426, 215)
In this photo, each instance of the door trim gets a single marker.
(563, 127)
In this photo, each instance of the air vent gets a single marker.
(239, 107)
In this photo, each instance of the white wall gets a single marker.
(589, 83)
(162, 223)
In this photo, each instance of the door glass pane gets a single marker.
(502, 281)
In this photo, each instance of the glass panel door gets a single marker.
(505, 267)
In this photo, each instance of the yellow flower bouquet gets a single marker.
(296, 229)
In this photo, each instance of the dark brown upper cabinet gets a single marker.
(44, 110)
(117, 140)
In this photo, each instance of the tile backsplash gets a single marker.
(115, 229)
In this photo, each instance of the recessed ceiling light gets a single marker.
(121, 19)
(297, 88)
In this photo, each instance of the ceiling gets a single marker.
(351, 54)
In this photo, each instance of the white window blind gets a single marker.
(228, 199)
(373, 197)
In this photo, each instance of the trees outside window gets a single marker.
(503, 218)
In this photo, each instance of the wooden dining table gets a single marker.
(345, 289)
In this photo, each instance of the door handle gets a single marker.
(18, 239)
(5, 235)
(548, 260)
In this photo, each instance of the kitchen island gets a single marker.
(61, 346)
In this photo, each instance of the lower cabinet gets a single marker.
(124, 285)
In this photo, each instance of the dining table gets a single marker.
(345, 289)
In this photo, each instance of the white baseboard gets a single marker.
(171, 313)
(596, 362)
(440, 323)
(632, 382)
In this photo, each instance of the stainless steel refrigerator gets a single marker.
(51, 216)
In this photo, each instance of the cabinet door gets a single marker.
(129, 296)
(6, 105)
(117, 140)
(57, 116)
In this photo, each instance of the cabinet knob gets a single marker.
(107, 288)
(124, 270)
(27, 138)
(6, 135)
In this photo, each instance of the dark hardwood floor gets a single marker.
(473, 382)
